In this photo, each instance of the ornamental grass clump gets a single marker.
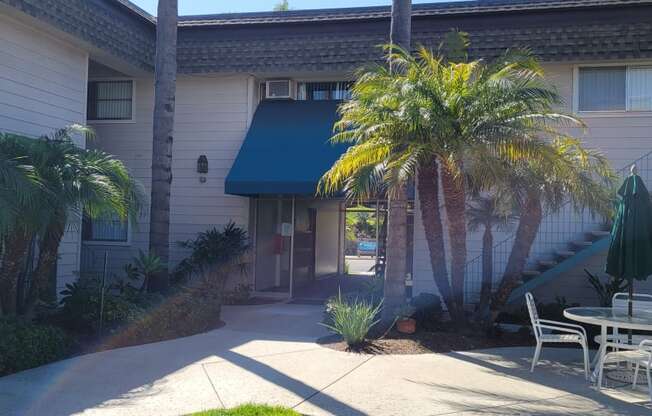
(352, 319)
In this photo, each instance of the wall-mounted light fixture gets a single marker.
(202, 164)
(202, 168)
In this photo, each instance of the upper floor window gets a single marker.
(110, 100)
(615, 88)
(106, 230)
(317, 91)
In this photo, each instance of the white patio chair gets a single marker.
(544, 332)
(641, 301)
(640, 355)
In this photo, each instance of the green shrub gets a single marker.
(185, 312)
(80, 310)
(214, 253)
(606, 287)
(239, 295)
(352, 319)
(405, 311)
(428, 311)
(26, 345)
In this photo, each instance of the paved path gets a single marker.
(267, 354)
(361, 265)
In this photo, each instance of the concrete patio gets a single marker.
(267, 354)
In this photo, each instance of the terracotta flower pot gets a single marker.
(406, 326)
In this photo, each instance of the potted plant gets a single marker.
(405, 324)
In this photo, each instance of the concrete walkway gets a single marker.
(267, 354)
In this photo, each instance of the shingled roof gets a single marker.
(343, 39)
(383, 12)
(116, 26)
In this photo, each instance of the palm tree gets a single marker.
(62, 180)
(282, 6)
(396, 245)
(487, 212)
(562, 171)
(82, 182)
(431, 115)
(164, 99)
(19, 195)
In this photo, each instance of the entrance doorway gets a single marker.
(297, 241)
(366, 226)
(305, 247)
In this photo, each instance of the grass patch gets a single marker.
(250, 410)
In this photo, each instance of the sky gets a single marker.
(187, 7)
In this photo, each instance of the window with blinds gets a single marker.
(615, 88)
(112, 229)
(110, 100)
(318, 91)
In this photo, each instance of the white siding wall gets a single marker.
(212, 114)
(43, 88)
(622, 137)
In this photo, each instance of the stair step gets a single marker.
(600, 233)
(531, 273)
(547, 263)
(582, 243)
(565, 253)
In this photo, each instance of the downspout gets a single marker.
(252, 101)
(253, 202)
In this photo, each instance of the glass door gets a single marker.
(273, 245)
(303, 259)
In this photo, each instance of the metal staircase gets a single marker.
(565, 237)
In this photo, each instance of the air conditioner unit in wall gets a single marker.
(280, 89)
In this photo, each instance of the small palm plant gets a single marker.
(489, 212)
(45, 183)
(215, 254)
(147, 266)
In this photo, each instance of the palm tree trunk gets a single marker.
(396, 248)
(396, 254)
(527, 230)
(164, 100)
(487, 271)
(16, 247)
(428, 188)
(401, 25)
(47, 260)
(455, 203)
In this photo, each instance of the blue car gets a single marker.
(367, 248)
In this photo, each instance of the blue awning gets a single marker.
(286, 150)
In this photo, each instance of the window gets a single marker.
(615, 88)
(110, 100)
(318, 91)
(112, 229)
(639, 89)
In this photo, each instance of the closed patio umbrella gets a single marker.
(630, 251)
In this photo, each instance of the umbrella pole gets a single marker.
(630, 309)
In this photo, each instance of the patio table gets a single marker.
(609, 317)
